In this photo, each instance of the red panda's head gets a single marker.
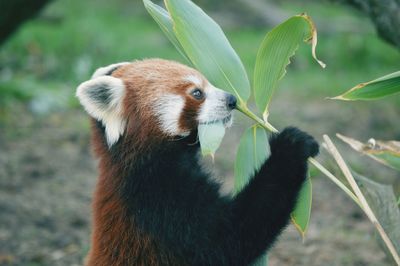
(154, 97)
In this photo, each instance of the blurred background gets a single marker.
(47, 172)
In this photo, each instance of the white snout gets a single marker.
(215, 107)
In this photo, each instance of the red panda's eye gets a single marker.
(197, 94)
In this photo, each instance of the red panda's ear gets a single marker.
(102, 98)
(107, 70)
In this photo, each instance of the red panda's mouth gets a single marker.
(226, 121)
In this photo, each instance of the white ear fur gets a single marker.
(103, 71)
(102, 98)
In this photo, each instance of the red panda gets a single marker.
(154, 204)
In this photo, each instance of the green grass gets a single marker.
(72, 38)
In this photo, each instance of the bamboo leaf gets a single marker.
(385, 152)
(253, 150)
(374, 89)
(274, 54)
(207, 47)
(388, 159)
(301, 215)
(164, 21)
(210, 137)
(383, 203)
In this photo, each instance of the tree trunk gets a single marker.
(384, 13)
(14, 12)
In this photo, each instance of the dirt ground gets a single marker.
(47, 176)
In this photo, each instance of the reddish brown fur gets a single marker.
(144, 81)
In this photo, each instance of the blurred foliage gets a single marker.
(62, 47)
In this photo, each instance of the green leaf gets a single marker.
(253, 150)
(163, 19)
(382, 201)
(374, 89)
(301, 214)
(385, 152)
(207, 47)
(274, 54)
(210, 137)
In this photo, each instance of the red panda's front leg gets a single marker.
(263, 208)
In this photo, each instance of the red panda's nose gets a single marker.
(231, 101)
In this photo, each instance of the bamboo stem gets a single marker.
(243, 108)
(335, 180)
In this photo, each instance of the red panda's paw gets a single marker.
(293, 143)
